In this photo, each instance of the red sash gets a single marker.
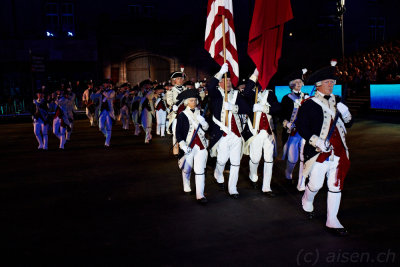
(339, 151)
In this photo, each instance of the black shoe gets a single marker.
(254, 184)
(188, 193)
(337, 231)
(289, 182)
(235, 196)
(202, 201)
(309, 214)
(269, 194)
(221, 186)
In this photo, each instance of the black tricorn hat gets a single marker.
(159, 87)
(189, 93)
(177, 74)
(322, 74)
(145, 82)
(242, 82)
(188, 83)
(298, 74)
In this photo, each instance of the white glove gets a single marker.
(258, 108)
(224, 69)
(228, 106)
(324, 145)
(175, 108)
(290, 125)
(343, 110)
(196, 85)
(306, 96)
(297, 102)
(200, 119)
(186, 149)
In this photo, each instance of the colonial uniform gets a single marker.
(263, 138)
(161, 114)
(89, 106)
(135, 111)
(124, 112)
(96, 98)
(147, 114)
(194, 145)
(107, 115)
(322, 122)
(70, 112)
(61, 121)
(40, 118)
(175, 106)
(293, 143)
(226, 141)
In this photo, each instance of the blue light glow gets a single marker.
(49, 34)
(70, 34)
(385, 96)
(281, 91)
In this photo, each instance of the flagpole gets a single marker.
(255, 102)
(225, 79)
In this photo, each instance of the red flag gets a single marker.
(265, 37)
(213, 40)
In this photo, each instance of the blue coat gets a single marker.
(309, 122)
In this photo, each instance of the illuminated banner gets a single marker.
(385, 96)
(281, 91)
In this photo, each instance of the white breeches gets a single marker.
(229, 147)
(196, 160)
(173, 132)
(105, 126)
(161, 116)
(92, 116)
(40, 130)
(68, 132)
(59, 131)
(317, 178)
(124, 115)
(262, 142)
(135, 119)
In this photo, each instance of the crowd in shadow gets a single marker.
(379, 65)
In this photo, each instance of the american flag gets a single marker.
(214, 41)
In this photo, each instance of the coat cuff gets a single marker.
(254, 78)
(313, 140)
(218, 76)
(204, 126)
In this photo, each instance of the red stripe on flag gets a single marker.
(214, 41)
